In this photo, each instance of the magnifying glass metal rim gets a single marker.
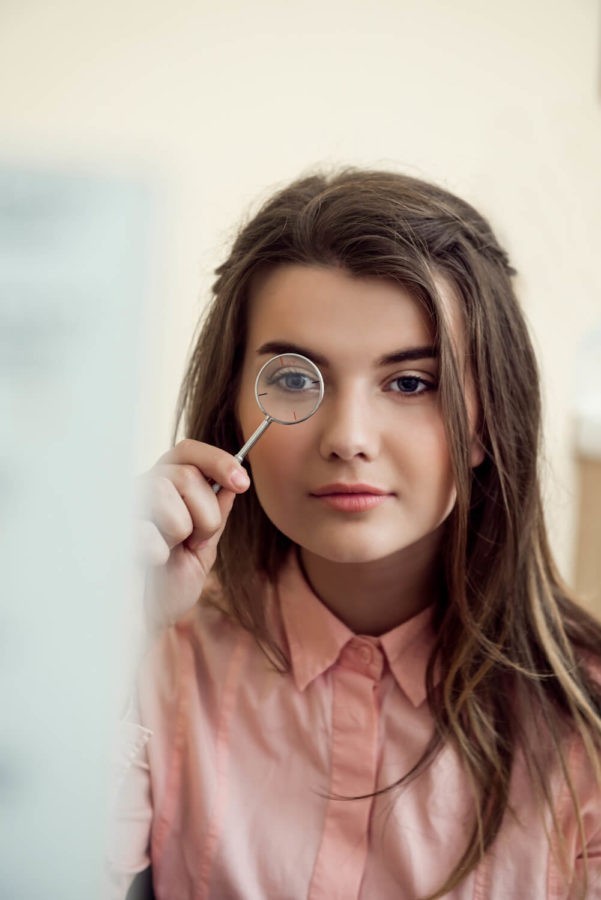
(284, 356)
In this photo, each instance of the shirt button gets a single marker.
(364, 653)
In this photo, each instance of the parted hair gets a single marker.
(513, 650)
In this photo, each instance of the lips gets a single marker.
(340, 487)
(353, 498)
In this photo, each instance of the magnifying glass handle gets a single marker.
(248, 445)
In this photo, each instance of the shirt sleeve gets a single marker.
(140, 760)
(131, 805)
(131, 811)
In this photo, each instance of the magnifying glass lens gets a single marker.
(289, 388)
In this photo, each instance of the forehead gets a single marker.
(335, 310)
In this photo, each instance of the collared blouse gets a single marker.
(237, 780)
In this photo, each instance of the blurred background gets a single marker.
(150, 130)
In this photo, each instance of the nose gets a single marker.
(348, 429)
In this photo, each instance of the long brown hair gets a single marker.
(509, 628)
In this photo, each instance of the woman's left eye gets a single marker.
(410, 384)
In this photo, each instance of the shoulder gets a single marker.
(190, 662)
(196, 636)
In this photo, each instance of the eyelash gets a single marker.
(425, 385)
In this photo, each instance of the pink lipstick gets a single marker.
(354, 498)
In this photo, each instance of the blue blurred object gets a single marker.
(74, 253)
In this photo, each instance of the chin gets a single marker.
(346, 551)
(355, 541)
(345, 555)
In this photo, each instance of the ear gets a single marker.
(476, 451)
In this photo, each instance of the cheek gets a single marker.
(426, 472)
(248, 413)
(277, 455)
(275, 463)
(440, 460)
(269, 462)
(439, 453)
(421, 446)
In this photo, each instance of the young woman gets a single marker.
(382, 689)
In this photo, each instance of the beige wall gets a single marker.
(216, 102)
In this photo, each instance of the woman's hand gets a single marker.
(181, 521)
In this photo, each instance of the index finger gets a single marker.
(215, 464)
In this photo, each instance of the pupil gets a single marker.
(295, 381)
(409, 384)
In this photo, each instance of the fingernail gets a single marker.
(239, 478)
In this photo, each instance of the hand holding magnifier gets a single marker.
(288, 389)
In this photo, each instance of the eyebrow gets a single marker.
(412, 354)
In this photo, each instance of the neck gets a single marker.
(373, 597)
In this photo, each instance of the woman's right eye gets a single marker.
(293, 380)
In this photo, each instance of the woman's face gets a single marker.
(369, 474)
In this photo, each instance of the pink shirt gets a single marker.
(231, 779)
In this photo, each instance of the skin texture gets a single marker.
(374, 563)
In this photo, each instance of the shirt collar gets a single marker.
(316, 637)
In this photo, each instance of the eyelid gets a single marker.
(428, 377)
(427, 381)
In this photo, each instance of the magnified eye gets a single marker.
(289, 388)
(293, 380)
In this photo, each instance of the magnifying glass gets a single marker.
(288, 389)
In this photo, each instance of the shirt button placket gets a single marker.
(342, 854)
